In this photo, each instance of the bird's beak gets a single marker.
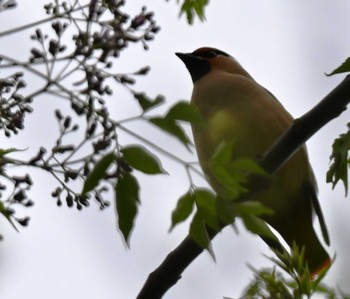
(186, 57)
(195, 65)
(181, 55)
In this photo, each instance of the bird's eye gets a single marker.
(208, 54)
(211, 54)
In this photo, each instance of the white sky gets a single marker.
(287, 47)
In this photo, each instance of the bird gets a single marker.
(237, 109)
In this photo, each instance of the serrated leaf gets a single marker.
(146, 102)
(338, 170)
(171, 127)
(343, 68)
(183, 209)
(142, 159)
(98, 173)
(199, 8)
(127, 202)
(192, 8)
(185, 111)
(187, 9)
(198, 232)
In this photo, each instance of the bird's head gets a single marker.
(206, 60)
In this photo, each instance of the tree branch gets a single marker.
(169, 272)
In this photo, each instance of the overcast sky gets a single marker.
(287, 46)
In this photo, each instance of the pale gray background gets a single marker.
(287, 47)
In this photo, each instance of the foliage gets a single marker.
(74, 59)
(214, 212)
(86, 39)
(338, 170)
(295, 282)
(343, 68)
(192, 8)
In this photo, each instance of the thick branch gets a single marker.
(304, 127)
(169, 272)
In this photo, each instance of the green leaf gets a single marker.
(171, 127)
(253, 208)
(233, 174)
(127, 201)
(207, 207)
(146, 102)
(226, 211)
(343, 68)
(231, 184)
(219, 165)
(223, 152)
(258, 226)
(183, 209)
(192, 8)
(185, 111)
(338, 170)
(6, 151)
(198, 232)
(142, 159)
(247, 166)
(7, 215)
(98, 173)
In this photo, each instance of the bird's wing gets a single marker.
(311, 187)
(316, 205)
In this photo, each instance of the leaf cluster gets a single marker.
(290, 278)
(192, 8)
(214, 212)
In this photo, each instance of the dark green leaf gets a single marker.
(143, 160)
(338, 170)
(199, 233)
(146, 102)
(253, 208)
(232, 174)
(343, 68)
(226, 211)
(7, 215)
(127, 201)
(247, 166)
(185, 111)
(183, 209)
(193, 7)
(170, 126)
(98, 173)
(206, 206)
(258, 226)
(222, 166)
(6, 151)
